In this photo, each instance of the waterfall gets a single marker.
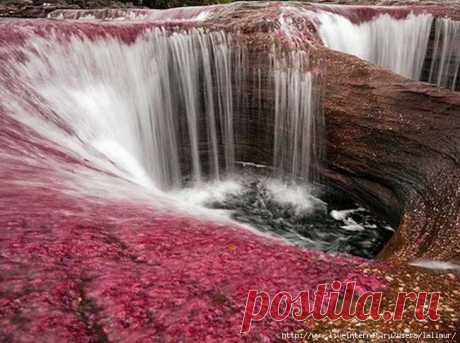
(297, 116)
(161, 109)
(445, 62)
(396, 44)
(146, 107)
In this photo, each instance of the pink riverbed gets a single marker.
(79, 269)
(78, 264)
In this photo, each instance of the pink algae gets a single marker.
(80, 270)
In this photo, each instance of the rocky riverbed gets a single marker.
(79, 265)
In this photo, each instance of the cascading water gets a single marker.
(410, 42)
(160, 109)
(297, 119)
(400, 45)
(292, 208)
(165, 109)
(145, 106)
(397, 44)
(445, 60)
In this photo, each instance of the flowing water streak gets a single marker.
(297, 116)
(399, 45)
(225, 69)
(445, 63)
(139, 106)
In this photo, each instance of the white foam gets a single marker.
(342, 215)
(350, 223)
(353, 226)
(298, 196)
(204, 193)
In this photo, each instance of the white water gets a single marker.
(297, 116)
(210, 192)
(147, 110)
(397, 45)
(135, 104)
(445, 62)
(296, 195)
